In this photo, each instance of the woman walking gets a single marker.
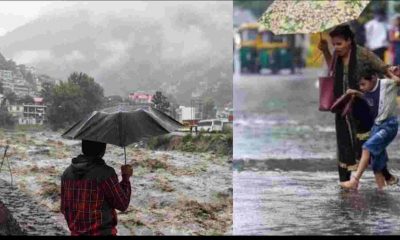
(349, 58)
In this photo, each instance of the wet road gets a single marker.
(296, 202)
(285, 178)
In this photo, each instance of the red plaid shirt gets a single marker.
(89, 205)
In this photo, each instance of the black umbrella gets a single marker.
(122, 125)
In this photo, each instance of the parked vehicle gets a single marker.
(209, 125)
(227, 126)
(248, 47)
(274, 51)
(261, 49)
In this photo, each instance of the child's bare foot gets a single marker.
(351, 184)
(393, 180)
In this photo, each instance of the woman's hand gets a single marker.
(323, 45)
(352, 91)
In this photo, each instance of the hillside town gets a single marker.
(21, 94)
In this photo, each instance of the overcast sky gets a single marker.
(16, 13)
(137, 44)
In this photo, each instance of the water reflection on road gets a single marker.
(296, 202)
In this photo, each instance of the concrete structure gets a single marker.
(38, 100)
(189, 115)
(34, 114)
(21, 89)
(28, 113)
(6, 75)
(16, 110)
(6, 78)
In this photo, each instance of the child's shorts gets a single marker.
(381, 136)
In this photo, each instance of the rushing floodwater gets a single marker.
(285, 179)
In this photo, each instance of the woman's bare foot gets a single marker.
(351, 184)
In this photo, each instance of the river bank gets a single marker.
(173, 192)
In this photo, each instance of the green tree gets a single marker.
(93, 93)
(209, 110)
(25, 100)
(160, 102)
(47, 91)
(29, 78)
(1, 88)
(71, 100)
(64, 107)
(6, 119)
(11, 97)
(173, 105)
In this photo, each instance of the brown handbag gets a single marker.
(326, 86)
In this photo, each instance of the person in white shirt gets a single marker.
(376, 32)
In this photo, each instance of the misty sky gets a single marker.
(179, 46)
(16, 13)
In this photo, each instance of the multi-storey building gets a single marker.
(34, 114)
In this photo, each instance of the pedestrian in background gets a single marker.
(394, 37)
(376, 31)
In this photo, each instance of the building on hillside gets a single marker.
(16, 111)
(31, 69)
(34, 114)
(29, 113)
(140, 98)
(6, 78)
(38, 101)
(7, 86)
(21, 88)
(6, 75)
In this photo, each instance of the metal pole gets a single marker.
(4, 156)
(125, 154)
(9, 168)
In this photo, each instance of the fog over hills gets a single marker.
(182, 48)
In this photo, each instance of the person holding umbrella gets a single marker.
(90, 192)
(349, 59)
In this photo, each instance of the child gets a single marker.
(380, 94)
(361, 113)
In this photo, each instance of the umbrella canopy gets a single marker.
(312, 16)
(122, 125)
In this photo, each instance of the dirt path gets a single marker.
(32, 218)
